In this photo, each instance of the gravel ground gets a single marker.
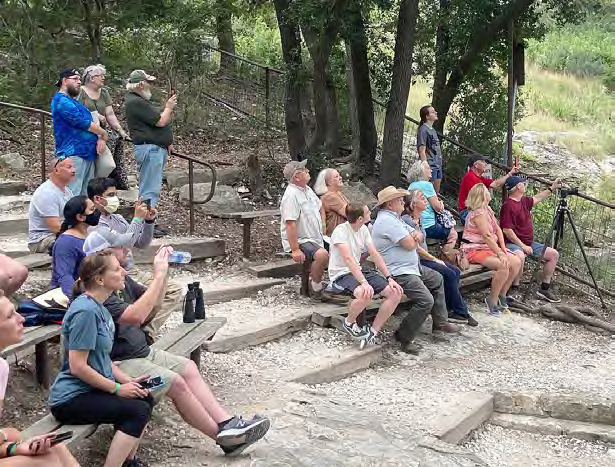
(501, 447)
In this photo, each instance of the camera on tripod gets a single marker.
(563, 192)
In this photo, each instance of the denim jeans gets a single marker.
(450, 274)
(437, 231)
(150, 159)
(84, 172)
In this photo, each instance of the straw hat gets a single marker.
(390, 193)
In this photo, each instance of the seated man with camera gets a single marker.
(516, 223)
(172, 375)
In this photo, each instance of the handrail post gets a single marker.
(43, 168)
(267, 97)
(191, 194)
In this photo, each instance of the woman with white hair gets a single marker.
(97, 99)
(328, 186)
(418, 176)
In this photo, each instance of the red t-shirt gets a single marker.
(516, 215)
(467, 182)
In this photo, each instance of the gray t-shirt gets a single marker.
(388, 230)
(428, 137)
(303, 206)
(47, 201)
(87, 325)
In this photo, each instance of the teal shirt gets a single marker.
(87, 325)
(428, 216)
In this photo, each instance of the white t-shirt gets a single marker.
(356, 241)
(303, 206)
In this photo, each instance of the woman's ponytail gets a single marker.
(78, 288)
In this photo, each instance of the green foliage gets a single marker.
(257, 38)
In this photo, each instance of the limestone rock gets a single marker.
(358, 192)
(225, 198)
(226, 175)
(12, 161)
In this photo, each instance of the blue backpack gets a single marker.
(37, 315)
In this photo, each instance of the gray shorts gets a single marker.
(348, 283)
(309, 249)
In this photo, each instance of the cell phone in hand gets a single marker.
(60, 437)
(152, 383)
(148, 203)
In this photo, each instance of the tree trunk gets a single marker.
(332, 133)
(94, 12)
(224, 33)
(483, 37)
(255, 175)
(291, 50)
(442, 43)
(393, 135)
(352, 107)
(368, 136)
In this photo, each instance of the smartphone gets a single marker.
(60, 437)
(152, 383)
(148, 203)
(171, 90)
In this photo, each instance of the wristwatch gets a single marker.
(389, 277)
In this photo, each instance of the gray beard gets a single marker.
(147, 94)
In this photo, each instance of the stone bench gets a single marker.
(185, 340)
(246, 219)
(39, 337)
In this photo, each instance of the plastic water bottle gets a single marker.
(182, 257)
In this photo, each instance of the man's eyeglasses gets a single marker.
(59, 159)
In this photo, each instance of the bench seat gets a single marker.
(246, 219)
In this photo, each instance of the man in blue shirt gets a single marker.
(76, 134)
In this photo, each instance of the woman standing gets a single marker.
(486, 246)
(418, 176)
(67, 253)
(37, 451)
(328, 186)
(96, 98)
(90, 388)
(415, 205)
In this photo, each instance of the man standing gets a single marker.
(46, 211)
(76, 135)
(428, 144)
(302, 222)
(348, 242)
(516, 223)
(397, 243)
(151, 133)
(474, 176)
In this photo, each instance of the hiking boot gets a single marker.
(411, 348)
(457, 318)
(238, 431)
(471, 321)
(492, 309)
(548, 295)
(134, 462)
(503, 303)
(447, 328)
(370, 339)
(354, 330)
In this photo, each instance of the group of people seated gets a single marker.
(337, 234)
(108, 329)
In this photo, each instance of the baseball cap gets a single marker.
(474, 158)
(513, 181)
(100, 240)
(67, 73)
(292, 167)
(139, 75)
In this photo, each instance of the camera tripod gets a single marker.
(557, 227)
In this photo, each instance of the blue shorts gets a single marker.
(348, 283)
(536, 247)
(436, 173)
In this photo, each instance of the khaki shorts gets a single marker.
(43, 245)
(157, 363)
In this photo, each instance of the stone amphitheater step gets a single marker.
(13, 224)
(11, 187)
(15, 202)
(199, 248)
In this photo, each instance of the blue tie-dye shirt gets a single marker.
(71, 120)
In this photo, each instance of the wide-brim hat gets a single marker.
(389, 193)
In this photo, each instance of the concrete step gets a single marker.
(35, 260)
(15, 202)
(199, 248)
(12, 224)
(11, 187)
(15, 245)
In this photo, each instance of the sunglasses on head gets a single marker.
(59, 159)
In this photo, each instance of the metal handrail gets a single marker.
(191, 161)
(42, 114)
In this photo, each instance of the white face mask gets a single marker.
(113, 203)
